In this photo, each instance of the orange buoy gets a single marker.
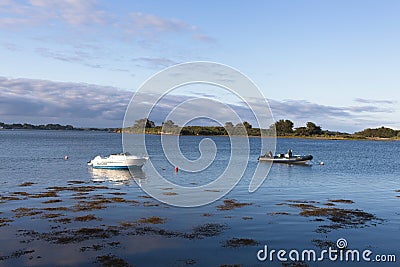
(176, 169)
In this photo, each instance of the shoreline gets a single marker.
(335, 138)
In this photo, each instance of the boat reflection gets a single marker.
(118, 177)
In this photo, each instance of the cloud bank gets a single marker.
(87, 105)
(41, 101)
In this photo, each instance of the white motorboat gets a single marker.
(118, 161)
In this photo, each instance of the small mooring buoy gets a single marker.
(176, 169)
(322, 163)
(66, 157)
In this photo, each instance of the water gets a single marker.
(366, 172)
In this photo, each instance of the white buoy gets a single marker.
(322, 163)
(66, 157)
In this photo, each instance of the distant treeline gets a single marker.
(285, 128)
(27, 126)
(282, 128)
(169, 127)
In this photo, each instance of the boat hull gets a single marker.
(118, 162)
(292, 160)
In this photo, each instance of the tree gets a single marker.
(313, 129)
(144, 123)
(301, 131)
(240, 129)
(229, 125)
(378, 132)
(284, 127)
(170, 127)
(247, 125)
(310, 129)
(169, 123)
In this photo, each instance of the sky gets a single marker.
(79, 62)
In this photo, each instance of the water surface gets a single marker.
(45, 232)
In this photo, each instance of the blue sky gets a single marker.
(336, 63)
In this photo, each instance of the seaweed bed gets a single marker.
(230, 204)
(69, 236)
(111, 260)
(240, 242)
(338, 217)
(75, 220)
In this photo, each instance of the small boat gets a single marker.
(287, 158)
(118, 161)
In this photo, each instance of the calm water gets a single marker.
(365, 172)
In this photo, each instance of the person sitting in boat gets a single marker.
(289, 154)
(269, 154)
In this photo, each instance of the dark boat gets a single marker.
(287, 158)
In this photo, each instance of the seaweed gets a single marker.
(339, 217)
(16, 254)
(170, 193)
(75, 235)
(88, 188)
(230, 204)
(26, 184)
(63, 220)
(44, 194)
(145, 196)
(55, 209)
(240, 242)
(51, 215)
(5, 221)
(19, 193)
(346, 201)
(52, 201)
(150, 204)
(112, 261)
(8, 198)
(212, 190)
(278, 213)
(117, 193)
(24, 212)
(208, 230)
(323, 244)
(152, 220)
(86, 218)
(76, 182)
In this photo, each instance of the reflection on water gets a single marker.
(118, 177)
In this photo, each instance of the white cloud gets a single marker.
(73, 102)
(155, 62)
(29, 13)
(375, 101)
(42, 12)
(204, 38)
(73, 12)
(149, 22)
